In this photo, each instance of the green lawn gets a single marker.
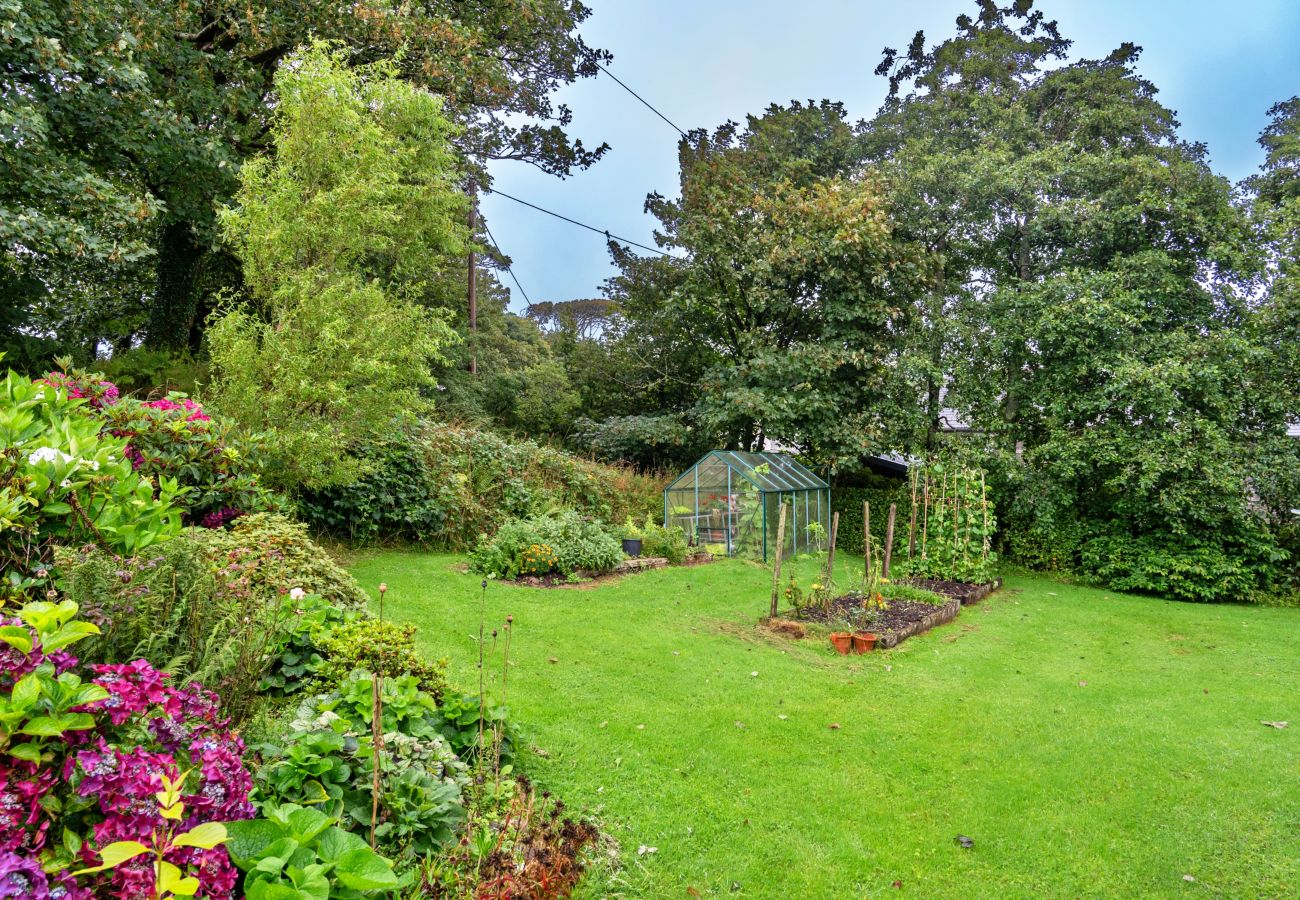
(1091, 744)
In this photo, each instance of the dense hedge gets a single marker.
(847, 496)
(443, 486)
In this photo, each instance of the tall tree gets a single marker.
(135, 116)
(1093, 309)
(790, 285)
(1275, 194)
(336, 231)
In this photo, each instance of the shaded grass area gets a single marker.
(1092, 744)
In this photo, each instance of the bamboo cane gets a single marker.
(911, 519)
(925, 519)
(984, 504)
(776, 566)
(889, 539)
(866, 540)
(830, 556)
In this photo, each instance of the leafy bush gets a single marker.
(327, 757)
(444, 486)
(174, 438)
(847, 497)
(297, 852)
(668, 543)
(276, 555)
(648, 442)
(1185, 569)
(1196, 542)
(559, 542)
(63, 482)
(84, 754)
(221, 607)
(394, 498)
(376, 645)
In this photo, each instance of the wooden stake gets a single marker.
(984, 504)
(776, 566)
(925, 519)
(830, 557)
(866, 540)
(911, 522)
(889, 539)
(377, 742)
(472, 280)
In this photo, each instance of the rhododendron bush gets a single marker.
(86, 753)
(174, 437)
(64, 481)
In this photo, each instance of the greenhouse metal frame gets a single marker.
(730, 501)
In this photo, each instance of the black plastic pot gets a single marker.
(632, 546)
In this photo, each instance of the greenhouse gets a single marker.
(730, 503)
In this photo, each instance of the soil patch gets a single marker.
(786, 628)
(898, 621)
(896, 615)
(956, 590)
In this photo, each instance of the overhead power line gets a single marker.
(643, 100)
(509, 268)
(602, 231)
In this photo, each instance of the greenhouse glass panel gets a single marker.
(729, 502)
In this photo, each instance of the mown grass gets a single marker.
(1091, 744)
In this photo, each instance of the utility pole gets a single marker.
(473, 280)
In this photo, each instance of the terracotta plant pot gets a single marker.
(863, 641)
(842, 641)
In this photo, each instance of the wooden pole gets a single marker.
(776, 566)
(866, 539)
(377, 745)
(925, 519)
(911, 519)
(473, 280)
(830, 557)
(889, 539)
(984, 504)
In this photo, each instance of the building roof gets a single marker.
(765, 470)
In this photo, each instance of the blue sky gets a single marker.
(1218, 65)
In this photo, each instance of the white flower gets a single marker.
(65, 483)
(297, 594)
(46, 454)
(94, 465)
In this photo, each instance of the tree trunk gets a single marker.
(175, 303)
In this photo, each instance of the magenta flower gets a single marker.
(21, 876)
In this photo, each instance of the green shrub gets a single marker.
(325, 759)
(63, 482)
(668, 543)
(362, 642)
(1185, 569)
(331, 861)
(395, 498)
(565, 541)
(443, 486)
(221, 607)
(847, 496)
(172, 438)
(277, 555)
